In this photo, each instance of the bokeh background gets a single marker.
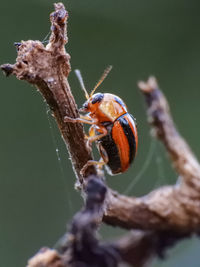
(139, 38)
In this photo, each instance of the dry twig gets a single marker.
(48, 68)
(162, 217)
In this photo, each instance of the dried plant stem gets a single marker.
(48, 68)
(162, 217)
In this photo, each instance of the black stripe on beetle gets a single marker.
(130, 137)
(97, 98)
(119, 101)
(111, 149)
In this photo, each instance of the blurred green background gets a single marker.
(139, 38)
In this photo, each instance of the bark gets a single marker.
(157, 220)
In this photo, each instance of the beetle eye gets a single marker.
(84, 107)
(97, 98)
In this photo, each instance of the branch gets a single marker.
(163, 217)
(48, 68)
(81, 247)
(183, 160)
(173, 208)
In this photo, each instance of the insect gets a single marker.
(113, 128)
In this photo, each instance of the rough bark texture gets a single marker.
(48, 68)
(159, 219)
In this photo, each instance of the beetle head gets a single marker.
(91, 105)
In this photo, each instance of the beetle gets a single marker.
(113, 128)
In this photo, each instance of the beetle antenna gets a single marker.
(104, 75)
(80, 78)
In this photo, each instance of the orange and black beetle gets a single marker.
(113, 128)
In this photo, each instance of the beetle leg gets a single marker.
(92, 131)
(94, 137)
(99, 164)
(79, 120)
(103, 153)
(103, 161)
(86, 117)
(91, 134)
